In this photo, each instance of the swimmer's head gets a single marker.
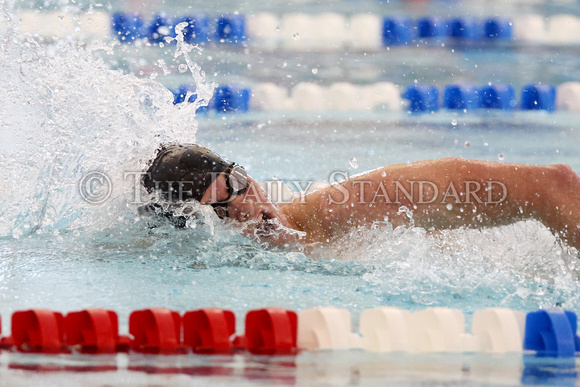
(190, 172)
(183, 172)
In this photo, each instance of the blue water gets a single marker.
(65, 113)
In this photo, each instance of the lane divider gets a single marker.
(300, 31)
(416, 98)
(276, 331)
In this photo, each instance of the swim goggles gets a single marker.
(236, 183)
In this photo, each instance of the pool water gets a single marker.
(65, 113)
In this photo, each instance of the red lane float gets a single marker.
(271, 331)
(156, 331)
(209, 330)
(39, 331)
(92, 331)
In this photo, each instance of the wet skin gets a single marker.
(549, 194)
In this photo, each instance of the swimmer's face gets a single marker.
(240, 198)
(243, 201)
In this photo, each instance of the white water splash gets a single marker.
(63, 114)
(517, 266)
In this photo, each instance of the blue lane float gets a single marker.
(160, 28)
(231, 29)
(431, 27)
(127, 27)
(226, 28)
(422, 98)
(498, 96)
(461, 97)
(396, 31)
(465, 28)
(229, 99)
(197, 29)
(498, 28)
(538, 97)
(180, 95)
(552, 332)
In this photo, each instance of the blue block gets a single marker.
(422, 98)
(181, 93)
(552, 332)
(465, 28)
(538, 97)
(461, 97)
(396, 31)
(498, 28)
(498, 97)
(197, 30)
(231, 29)
(229, 99)
(128, 27)
(431, 27)
(160, 28)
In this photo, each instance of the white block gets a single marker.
(297, 31)
(263, 30)
(499, 330)
(382, 95)
(386, 329)
(531, 28)
(268, 97)
(30, 22)
(344, 96)
(95, 25)
(58, 25)
(568, 96)
(329, 31)
(326, 328)
(365, 32)
(309, 97)
(564, 29)
(469, 343)
(438, 330)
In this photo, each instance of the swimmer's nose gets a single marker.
(246, 206)
(241, 208)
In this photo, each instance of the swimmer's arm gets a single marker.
(550, 194)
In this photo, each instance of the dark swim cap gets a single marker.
(183, 172)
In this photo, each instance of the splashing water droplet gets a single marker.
(296, 36)
(500, 157)
(449, 206)
(384, 174)
(467, 144)
(353, 163)
(314, 71)
(182, 68)
(454, 122)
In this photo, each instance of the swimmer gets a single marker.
(436, 195)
